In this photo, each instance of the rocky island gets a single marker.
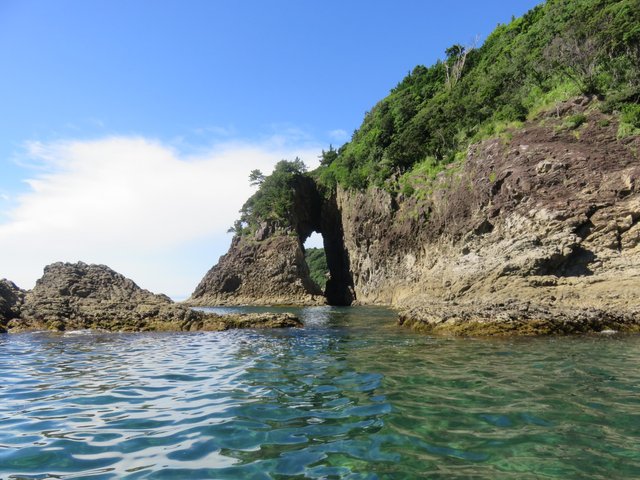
(77, 296)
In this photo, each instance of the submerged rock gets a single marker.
(75, 296)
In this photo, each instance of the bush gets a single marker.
(629, 121)
(575, 121)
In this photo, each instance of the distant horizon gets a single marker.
(131, 128)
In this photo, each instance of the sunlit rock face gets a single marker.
(539, 225)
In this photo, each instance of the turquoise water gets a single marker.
(349, 396)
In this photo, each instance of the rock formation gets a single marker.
(542, 226)
(11, 299)
(536, 232)
(269, 268)
(80, 296)
(259, 272)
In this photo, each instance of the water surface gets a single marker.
(349, 396)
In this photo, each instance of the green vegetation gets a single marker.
(558, 50)
(273, 202)
(416, 139)
(574, 121)
(317, 262)
(629, 121)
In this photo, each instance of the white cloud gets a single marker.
(137, 205)
(339, 135)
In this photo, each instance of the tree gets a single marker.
(294, 166)
(577, 57)
(273, 201)
(456, 58)
(327, 158)
(256, 177)
(237, 228)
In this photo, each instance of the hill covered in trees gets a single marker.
(558, 50)
(317, 262)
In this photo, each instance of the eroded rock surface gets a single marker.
(11, 299)
(257, 271)
(546, 217)
(73, 296)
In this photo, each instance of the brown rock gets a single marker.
(11, 299)
(272, 271)
(73, 296)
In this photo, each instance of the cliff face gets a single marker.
(539, 225)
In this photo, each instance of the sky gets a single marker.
(130, 127)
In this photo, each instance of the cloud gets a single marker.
(135, 204)
(339, 135)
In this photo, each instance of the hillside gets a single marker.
(558, 50)
(494, 192)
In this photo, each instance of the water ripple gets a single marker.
(350, 396)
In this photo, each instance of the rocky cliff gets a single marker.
(268, 266)
(538, 228)
(72, 296)
(536, 231)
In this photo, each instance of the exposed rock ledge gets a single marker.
(500, 319)
(80, 296)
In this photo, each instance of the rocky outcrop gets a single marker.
(515, 318)
(537, 231)
(256, 271)
(73, 296)
(11, 299)
(545, 217)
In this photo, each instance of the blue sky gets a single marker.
(126, 121)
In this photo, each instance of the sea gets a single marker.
(349, 396)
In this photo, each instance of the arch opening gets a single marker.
(316, 259)
(317, 216)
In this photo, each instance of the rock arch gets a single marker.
(269, 267)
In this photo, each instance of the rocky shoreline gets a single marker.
(77, 296)
(521, 319)
(536, 231)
